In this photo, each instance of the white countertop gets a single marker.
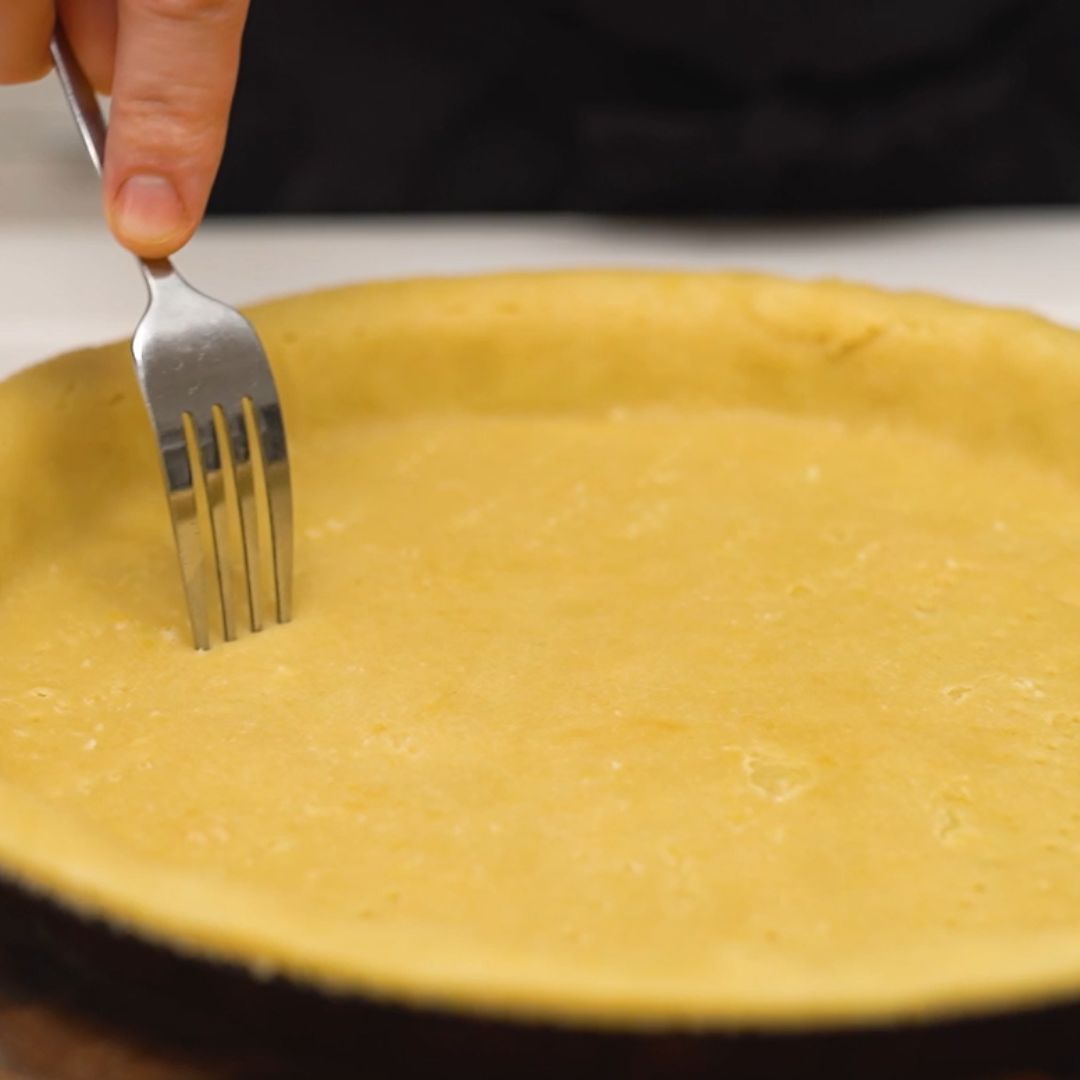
(63, 283)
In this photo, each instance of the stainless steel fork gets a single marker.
(211, 397)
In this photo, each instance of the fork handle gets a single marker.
(83, 102)
(80, 97)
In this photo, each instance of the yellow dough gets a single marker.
(669, 649)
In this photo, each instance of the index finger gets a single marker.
(25, 28)
(176, 66)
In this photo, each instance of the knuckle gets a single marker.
(178, 122)
(190, 10)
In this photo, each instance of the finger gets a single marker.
(25, 29)
(91, 28)
(176, 64)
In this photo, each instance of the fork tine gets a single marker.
(272, 461)
(237, 454)
(183, 510)
(202, 437)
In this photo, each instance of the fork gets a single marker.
(210, 393)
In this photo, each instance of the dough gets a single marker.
(669, 649)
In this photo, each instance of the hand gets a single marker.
(170, 66)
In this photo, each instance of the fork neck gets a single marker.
(160, 275)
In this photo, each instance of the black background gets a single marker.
(666, 106)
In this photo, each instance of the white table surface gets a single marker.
(64, 283)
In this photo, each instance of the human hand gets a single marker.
(170, 66)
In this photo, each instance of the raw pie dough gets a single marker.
(669, 649)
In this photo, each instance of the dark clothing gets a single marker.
(640, 106)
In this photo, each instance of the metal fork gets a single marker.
(211, 397)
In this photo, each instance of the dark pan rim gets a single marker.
(83, 966)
